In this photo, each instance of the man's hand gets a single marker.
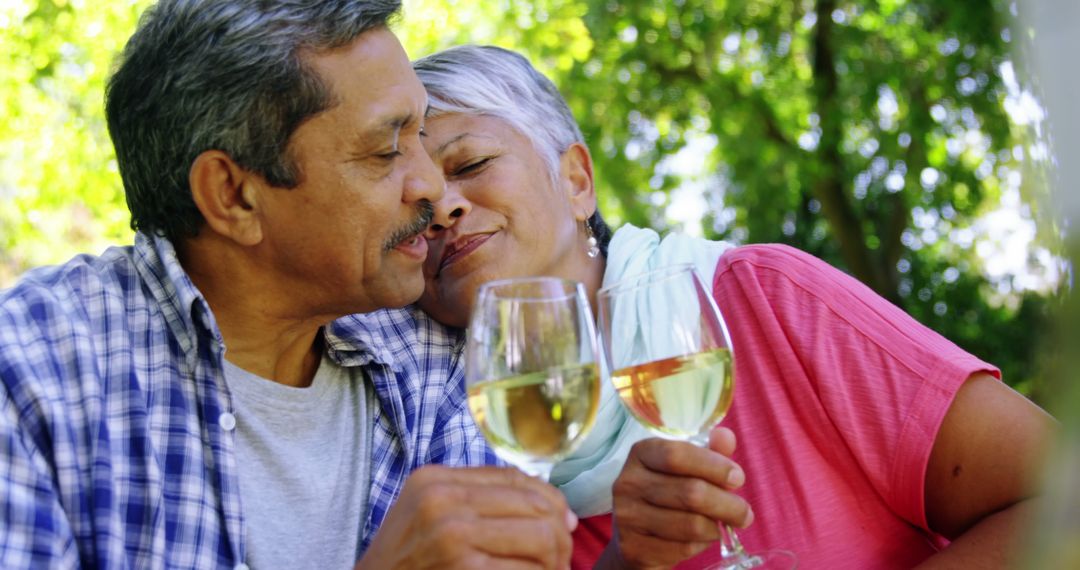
(486, 517)
(670, 497)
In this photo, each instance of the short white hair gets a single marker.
(495, 82)
(491, 81)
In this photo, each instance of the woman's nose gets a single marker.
(451, 207)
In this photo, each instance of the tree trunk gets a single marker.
(832, 187)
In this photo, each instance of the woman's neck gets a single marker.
(594, 279)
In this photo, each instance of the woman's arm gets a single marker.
(983, 473)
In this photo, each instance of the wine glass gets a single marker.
(673, 367)
(531, 369)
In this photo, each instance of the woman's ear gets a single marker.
(227, 196)
(576, 168)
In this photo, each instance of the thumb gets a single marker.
(722, 441)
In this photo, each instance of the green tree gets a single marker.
(870, 133)
(873, 134)
(59, 190)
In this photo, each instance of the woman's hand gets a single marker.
(670, 498)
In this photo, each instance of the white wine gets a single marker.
(681, 396)
(538, 417)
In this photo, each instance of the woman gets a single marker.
(867, 440)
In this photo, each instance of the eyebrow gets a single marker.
(442, 148)
(391, 125)
(446, 144)
(387, 128)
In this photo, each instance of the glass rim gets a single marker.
(570, 288)
(653, 276)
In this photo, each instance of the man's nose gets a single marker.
(425, 181)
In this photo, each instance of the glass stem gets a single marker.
(734, 556)
(540, 470)
(731, 550)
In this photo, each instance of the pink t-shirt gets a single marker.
(838, 398)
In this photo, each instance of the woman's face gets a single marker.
(502, 215)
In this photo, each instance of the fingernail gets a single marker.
(749, 517)
(571, 520)
(736, 477)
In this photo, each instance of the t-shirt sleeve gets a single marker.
(858, 365)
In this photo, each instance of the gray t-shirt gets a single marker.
(302, 455)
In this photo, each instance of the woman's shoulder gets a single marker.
(776, 257)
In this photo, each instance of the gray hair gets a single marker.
(226, 75)
(492, 81)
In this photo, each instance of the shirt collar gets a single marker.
(184, 307)
(383, 336)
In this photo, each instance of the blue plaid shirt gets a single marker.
(116, 445)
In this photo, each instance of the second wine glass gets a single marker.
(673, 366)
(531, 369)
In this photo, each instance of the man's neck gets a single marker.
(288, 356)
(266, 331)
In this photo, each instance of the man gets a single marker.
(188, 401)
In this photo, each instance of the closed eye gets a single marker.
(472, 167)
(389, 156)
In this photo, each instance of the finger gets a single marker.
(487, 562)
(687, 460)
(491, 477)
(506, 564)
(688, 494)
(542, 541)
(648, 551)
(667, 524)
(476, 503)
(474, 475)
(489, 492)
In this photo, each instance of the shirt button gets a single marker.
(227, 422)
(240, 566)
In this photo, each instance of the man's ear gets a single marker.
(227, 196)
(576, 169)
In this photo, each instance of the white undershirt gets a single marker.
(302, 455)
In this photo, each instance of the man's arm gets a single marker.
(983, 473)
(34, 532)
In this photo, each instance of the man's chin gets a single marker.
(389, 291)
(408, 293)
(450, 311)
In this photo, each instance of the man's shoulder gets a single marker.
(394, 334)
(49, 322)
(83, 274)
(51, 305)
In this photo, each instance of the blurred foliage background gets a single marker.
(900, 140)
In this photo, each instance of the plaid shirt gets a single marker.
(116, 438)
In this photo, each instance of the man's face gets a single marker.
(347, 238)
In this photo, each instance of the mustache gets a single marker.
(424, 214)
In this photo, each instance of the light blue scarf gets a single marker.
(585, 478)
